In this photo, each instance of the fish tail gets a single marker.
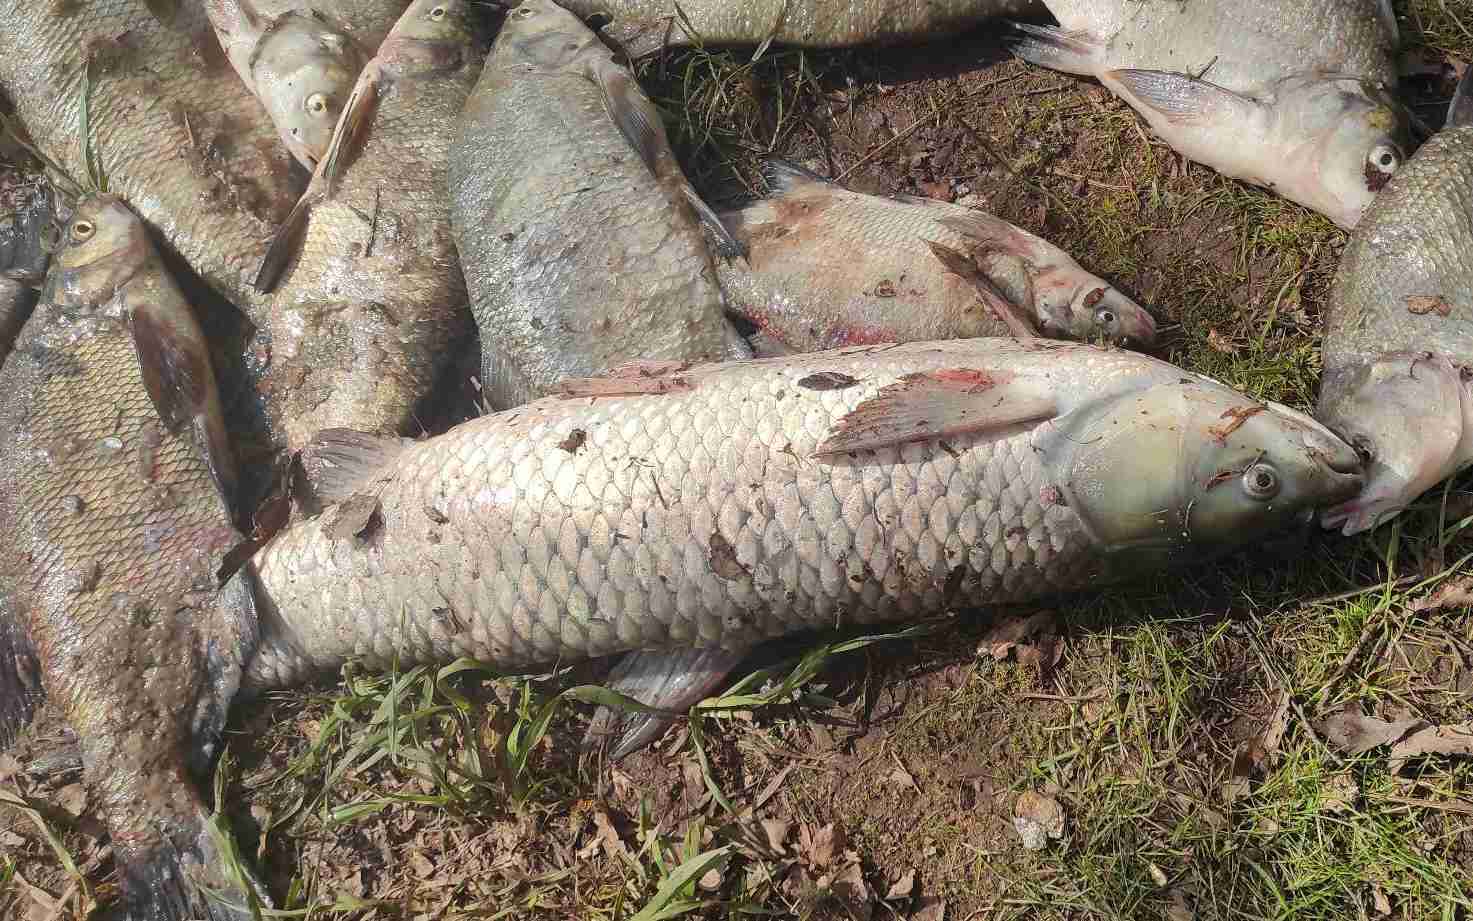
(20, 674)
(196, 875)
(1056, 49)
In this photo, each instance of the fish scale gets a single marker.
(586, 525)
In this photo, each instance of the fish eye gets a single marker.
(1106, 317)
(83, 230)
(1261, 481)
(316, 103)
(1385, 158)
(438, 13)
(525, 12)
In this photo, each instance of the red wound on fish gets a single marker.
(1236, 418)
(930, 405)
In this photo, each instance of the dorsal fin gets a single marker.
(1460, 113)
(337, 462)
(784, 176)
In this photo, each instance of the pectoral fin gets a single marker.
(668, 679)
(932, 405)
(784, 176)
(1008, 312)
(351, 131)
(1460, 113)
(639, 122)
(1180, 99)
(284, 245)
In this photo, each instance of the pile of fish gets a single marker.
(818, 410)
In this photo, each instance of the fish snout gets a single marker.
(1138, 329)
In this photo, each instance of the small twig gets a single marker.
(1094, 182)
(1460, 808)
(1270, 669)
(1063, 698)
(886, 145)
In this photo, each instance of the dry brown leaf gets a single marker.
(711, 881)
(1422, 304)
(902, 888)
(1278, 724)
(1433, 740)
(1340, 794)
(1012, 631)
(776, 831)
(1219, 343)
(73, 799)
(900, 777)
(849, 887)
(820, 847)
(1354, 732)
(1379, 901)
(932, 911)
(1178, 908)
(421, 865)
(1037, 818)
(1455, 593)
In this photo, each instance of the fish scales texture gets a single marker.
(577, 256)
(1241, 46)
(366, 320)
(643, 26)
(546, 553)
(367, 21)
(113, 524)
(177, 133)
(1416, 241)
(699, 516)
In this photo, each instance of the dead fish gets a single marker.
(116, 481)
(174, 131)
(24, 254)
(1398, 347)
(1290, 97)
(372, 296)
(829, 267)
(645, 26)
(299, 66)
(580, 236)
(691, 512)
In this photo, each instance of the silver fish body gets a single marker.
(170, 123)
(665, 507)
(371, 298)
(1290, 97)
(644, 26)
(829, 267)
(1398, 347)
(578, 234)
(116, 481)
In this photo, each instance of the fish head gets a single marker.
(447, 21)
(1074, 304)
(304, 71)
(1345, 138)
(1410, 415)
(545, 35)
(102, 245)
(1189, 469)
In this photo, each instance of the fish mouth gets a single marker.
(1139, 330)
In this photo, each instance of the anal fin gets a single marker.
(669, 679)
(1057, 49)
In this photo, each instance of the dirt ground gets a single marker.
(1174, 750)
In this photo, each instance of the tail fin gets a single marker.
(783, 176)
(1056, 49)
(203, 879)
(1460, 113)
(20, 674)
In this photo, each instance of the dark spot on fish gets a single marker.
(724, 560)
(435, 515)
(1220, 477)
(574, 441)
(885, 288)
(1052, 495)
(73, 504)
(953, 586)
(946, 446)
(86, 579)
(1423, 304)
(827, 380)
